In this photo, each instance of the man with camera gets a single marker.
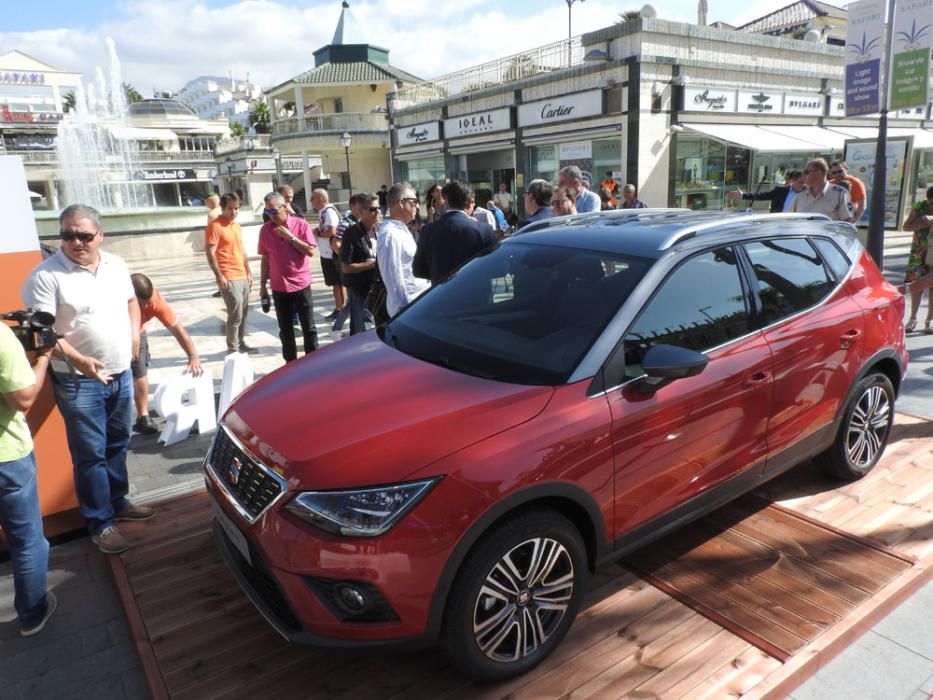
(20, 516)
(97, 318)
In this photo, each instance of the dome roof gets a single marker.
(157, 106)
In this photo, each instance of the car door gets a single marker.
(683, 440)
(815, 331)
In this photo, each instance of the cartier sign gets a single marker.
(478, 123)
(563, 108)
(418, 133)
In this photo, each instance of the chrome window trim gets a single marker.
(222, 486)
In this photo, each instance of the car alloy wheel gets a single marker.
(868, 427)
(523, 600)
(515, 595)
(864, 430)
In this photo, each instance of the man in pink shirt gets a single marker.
(285, 244)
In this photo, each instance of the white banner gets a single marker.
(19, 223)
(558, 109)
(478, 123)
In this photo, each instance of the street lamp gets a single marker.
(277, 157)
(345, 141)
(569, 27)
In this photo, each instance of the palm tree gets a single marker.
(70, 101)
(259, 118)
(628, 16)
(236, 129)
(132, 94)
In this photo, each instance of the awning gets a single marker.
(923, 138)
(764, 140)
(135, 133)
(824, 139)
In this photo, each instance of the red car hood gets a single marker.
(361, 413)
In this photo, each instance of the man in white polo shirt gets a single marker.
(97, 316)
(821, 196)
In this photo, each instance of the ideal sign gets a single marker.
(478, 123)
(419, 133)
(558, 109)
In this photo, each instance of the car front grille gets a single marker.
(251, 485)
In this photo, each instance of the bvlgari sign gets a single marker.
(559, 109)
(418, 133)
(477, 123)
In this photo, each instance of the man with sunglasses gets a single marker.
(821, 196)
(857, 192)
(358, 258)
(285, 244)
(97, 316)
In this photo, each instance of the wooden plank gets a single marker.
(736, 677)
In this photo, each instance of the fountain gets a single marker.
(97, 168)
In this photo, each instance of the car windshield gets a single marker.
(519, 313)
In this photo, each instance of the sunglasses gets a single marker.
(410, 199)
(83, 237)
(373, 210)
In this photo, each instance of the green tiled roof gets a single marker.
(353, 73)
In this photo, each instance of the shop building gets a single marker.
(684, 112)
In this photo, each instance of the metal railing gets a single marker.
(544, 59)
(241, 143)
(141, 156)
(339, 122)
(35, 156)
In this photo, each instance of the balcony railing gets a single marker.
(543, 59)
(35, 156)
(241, 143)
(332, 123)
(143, 156)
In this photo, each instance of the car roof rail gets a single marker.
(692, 230)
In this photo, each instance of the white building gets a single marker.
(220, 98)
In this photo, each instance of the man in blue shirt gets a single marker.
(572, 177)
(538, 201)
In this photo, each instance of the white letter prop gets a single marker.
(182, 400)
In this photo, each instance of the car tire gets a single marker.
(495, 625)
(864, 430)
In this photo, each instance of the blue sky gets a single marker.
(164, 43)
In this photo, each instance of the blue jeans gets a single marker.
(21, 521)
(97, 421)
(360, 318)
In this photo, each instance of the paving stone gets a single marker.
(873, 668)
(909, 625)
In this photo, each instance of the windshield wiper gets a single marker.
(444, 361)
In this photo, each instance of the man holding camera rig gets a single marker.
(97, 317)
(20, 515)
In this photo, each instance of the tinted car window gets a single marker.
(834, 257)
(790, 276)
(699, 306)
(519, 313)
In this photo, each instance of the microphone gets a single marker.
(748, 209)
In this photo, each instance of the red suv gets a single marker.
(567, 396)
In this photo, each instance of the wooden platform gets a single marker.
(747, 602)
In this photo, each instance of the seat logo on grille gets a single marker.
(233, 473)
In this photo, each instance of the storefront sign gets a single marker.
(478, 123)
(863, 56)
(808, 105)
(913, 39)
(419, 133)
(760, 102)
(575, 151)
(29, 117)
(15, 78)
(704, 99)
(165, 175)
(559, 109)
(291, 165)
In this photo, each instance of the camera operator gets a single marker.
(20, 515)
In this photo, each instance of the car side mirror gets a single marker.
(665, 363)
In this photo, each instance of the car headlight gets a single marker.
(359, 512)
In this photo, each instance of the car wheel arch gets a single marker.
(568, 499)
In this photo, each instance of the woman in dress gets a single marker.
(920, 221)
(434, 203)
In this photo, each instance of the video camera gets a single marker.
(35, 330)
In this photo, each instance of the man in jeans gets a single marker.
(97, 316)
(285, 244)
(358, 259)
(228, 261)
(20, 516)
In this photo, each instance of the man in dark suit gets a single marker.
(781, 197)
(453, 239)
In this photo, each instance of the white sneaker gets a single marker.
(334, 336)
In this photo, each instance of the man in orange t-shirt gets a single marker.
(152, 305)
(857, 192)
(227, 258)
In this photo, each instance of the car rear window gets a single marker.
(834, 257)
(790, 275)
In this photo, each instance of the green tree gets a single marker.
(132, 94)
(70, 101)
(628, 16)
(236, 129)
(260, 119)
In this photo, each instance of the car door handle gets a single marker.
(847, 339)
(756, 380)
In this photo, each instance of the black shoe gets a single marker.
(145, 426)
(51, 604)
(332, 316)
(248, 349)
(216, 294)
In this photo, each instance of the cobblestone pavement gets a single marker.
(86, 652)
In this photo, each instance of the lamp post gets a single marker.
(569, 27)
(229, 165)
(277, 157)
(345, 141)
